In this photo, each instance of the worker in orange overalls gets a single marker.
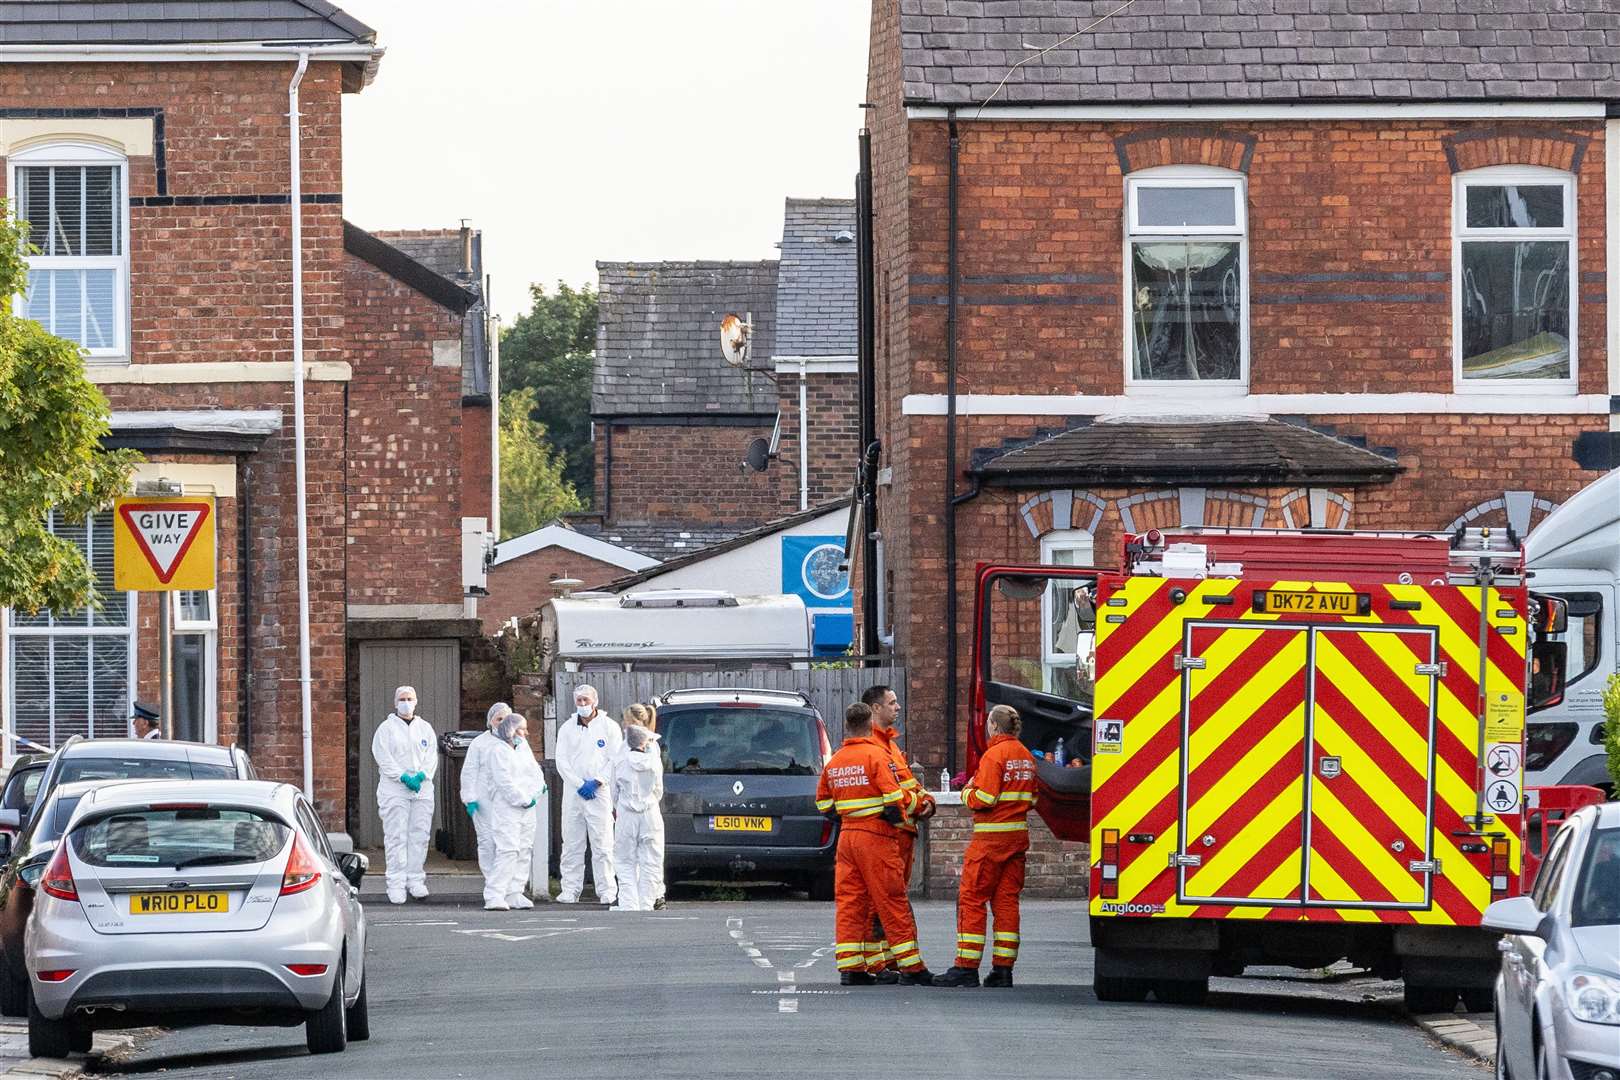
(885, 706)
(859, 786)
(1001, 795)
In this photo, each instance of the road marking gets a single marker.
(445, 922)
(787, 1005)
(500, 934)
(785, 976)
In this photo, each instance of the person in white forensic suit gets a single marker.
(646, 715)
(587, 746)
(475, 788)
(530, 777)
(638, 834)
(406, 751)
(509, 802)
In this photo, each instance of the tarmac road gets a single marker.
(718, 990)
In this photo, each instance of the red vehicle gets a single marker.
(1294, 747)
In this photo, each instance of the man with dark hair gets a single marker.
(885, 706)
(859, 786)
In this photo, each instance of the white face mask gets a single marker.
(584, 710)
(405, 709)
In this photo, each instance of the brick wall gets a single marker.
(1349, 278)
(834, 437)
(477, 462)
(519, 587)
(1053, 868)
(685, 474)
(405, 444)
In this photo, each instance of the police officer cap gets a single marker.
(142, 711)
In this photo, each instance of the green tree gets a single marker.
(1611, 729)
(51, 422)
(551, 351)
(534, 492)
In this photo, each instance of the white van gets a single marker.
(1575, 555)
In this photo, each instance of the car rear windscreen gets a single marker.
(178, 838)
(740, 740)
(111, 768)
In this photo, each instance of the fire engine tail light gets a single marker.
(1500, 876)
(1108, 864)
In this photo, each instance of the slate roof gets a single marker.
(658, 338)
(687, 557)
(440, 251)
(662, 540)
(173, 22)
(1185, 451)
(815, 288)
(955, 51)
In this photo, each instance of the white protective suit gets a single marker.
(587, 752)
(477, 787)
(400, 747)
(532, 779)
(638, 790)
(509, 800)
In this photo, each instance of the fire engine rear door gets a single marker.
(1370, 789)
(1244, 687)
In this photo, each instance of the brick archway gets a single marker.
(1177, 146)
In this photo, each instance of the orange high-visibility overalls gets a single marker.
(881, 958)
(1001, 795)
(859, 785)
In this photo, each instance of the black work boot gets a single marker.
(917, 977)
(999, 976)
(887, 977)
(855, 978)
(958, 976)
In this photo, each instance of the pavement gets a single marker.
(1473, 1034)
(15, 1060)
(748, 989)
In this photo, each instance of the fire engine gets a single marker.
(1295, 747)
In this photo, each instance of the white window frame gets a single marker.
(1083, 544)
(10, 633)
(1181, 176)
(209, 630)
(69, 154)
(1505, 176)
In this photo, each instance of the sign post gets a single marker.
(164, 543)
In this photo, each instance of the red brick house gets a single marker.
(150, 146)
(1202, 265)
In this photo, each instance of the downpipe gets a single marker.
(305, 709)
(952, 272)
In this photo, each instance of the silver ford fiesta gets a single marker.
(180, 903)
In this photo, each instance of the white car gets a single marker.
(179, 903)
(1558, 996)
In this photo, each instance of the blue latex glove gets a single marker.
(410, 781)
(472, 809)
(587, 790)
(421, 778)
(530, 805)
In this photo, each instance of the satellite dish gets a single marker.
(758, 454)
(735, 335)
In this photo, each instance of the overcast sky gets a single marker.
(577, 130)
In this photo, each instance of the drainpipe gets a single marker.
(298, 421)
(804, 437)
(244, 564)
(873, 617)
(493, 337)
(951, 273)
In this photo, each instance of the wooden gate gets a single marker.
(434, 668)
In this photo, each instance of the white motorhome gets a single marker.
(1575, 554)
(672, 630)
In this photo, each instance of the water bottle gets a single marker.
(944, 779)
(1057, 754)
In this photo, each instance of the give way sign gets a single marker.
(163, 543)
